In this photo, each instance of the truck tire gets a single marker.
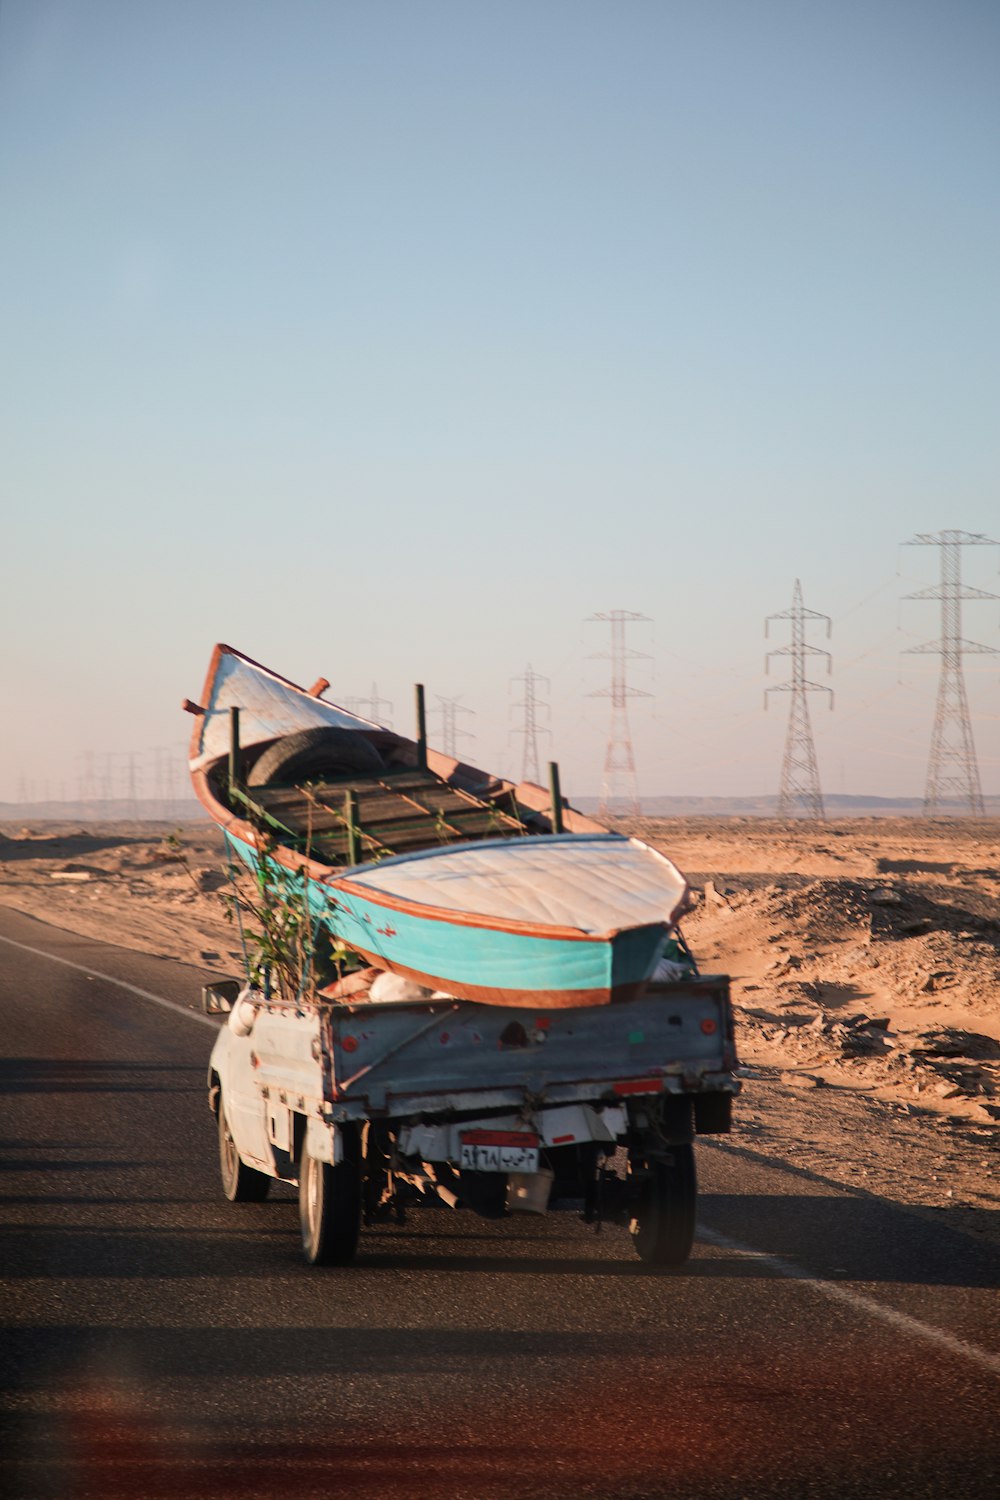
(314, 753)
(240, 1183)
(330, 1205)
(663, 1222)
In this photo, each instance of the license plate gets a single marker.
(499, 1151)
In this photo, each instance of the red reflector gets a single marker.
(499, 1138)
(708, 1026)
(638, 1086)
(349, 1043)
(560, 1140)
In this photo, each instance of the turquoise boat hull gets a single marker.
(478, 962)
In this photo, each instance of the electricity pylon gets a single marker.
(370, 708)
(86, 790)
(530, 728)
(800, 789)
(449, 709)
(952, 770)
(619, 757)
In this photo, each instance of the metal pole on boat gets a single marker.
(421, 728)
(557, 806)
(353, 831)
(234, 748)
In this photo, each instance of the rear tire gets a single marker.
(240, 1183)
(315, 753)
(663, 1222)
(330, 1205)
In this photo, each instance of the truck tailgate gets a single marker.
(450, 1054)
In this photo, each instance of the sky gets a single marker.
(392, 341)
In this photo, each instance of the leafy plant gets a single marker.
(271, 907)
(287, 949)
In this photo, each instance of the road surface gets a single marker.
(160, 1342)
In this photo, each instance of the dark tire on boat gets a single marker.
(663, 1222)
(314, 753)
(330, 1204)
(240, 1183)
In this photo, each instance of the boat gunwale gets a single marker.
(323, 875)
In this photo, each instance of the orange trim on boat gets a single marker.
(496, 995)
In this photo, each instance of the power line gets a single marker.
(619, 782)
(800, 789)
(952, 770)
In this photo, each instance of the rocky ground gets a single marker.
(864, 955)
(865, 964)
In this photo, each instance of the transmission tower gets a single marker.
(530, 728)
(952, 770)
(160, 755)
(370, 708)
(619, 783)
(449, 709)
(800, 790)
(86, 787)
(134, 779)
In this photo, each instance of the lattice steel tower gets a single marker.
(800, 790)
(952, 770)
(371, 708)
(619, 781)
(449, 709)
(530, 728)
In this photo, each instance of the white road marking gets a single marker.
(857, 1301)
(68, 963)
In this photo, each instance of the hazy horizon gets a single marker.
(392, 343)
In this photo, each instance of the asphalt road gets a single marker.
(160, 1342)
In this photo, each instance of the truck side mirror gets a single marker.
(218, 999)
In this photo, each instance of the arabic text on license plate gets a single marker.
(479, 1158)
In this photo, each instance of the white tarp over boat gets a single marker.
(269, 706)
(594, 883)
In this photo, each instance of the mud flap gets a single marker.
(324, 1142)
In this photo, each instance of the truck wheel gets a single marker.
(330, 1205)
(240, 1183)
(663, 1222)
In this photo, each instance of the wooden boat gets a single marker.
(462, 882)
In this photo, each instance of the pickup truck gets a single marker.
(374, 1108)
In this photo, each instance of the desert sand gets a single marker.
(864, 957)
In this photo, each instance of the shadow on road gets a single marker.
(47, 1075)
(850, 1239)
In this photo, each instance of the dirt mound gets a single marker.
(863, 957)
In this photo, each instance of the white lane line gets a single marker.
(857, 1301)
(68, 963)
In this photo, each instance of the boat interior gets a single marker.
(344, 816)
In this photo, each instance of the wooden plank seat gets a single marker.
(397, 812)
